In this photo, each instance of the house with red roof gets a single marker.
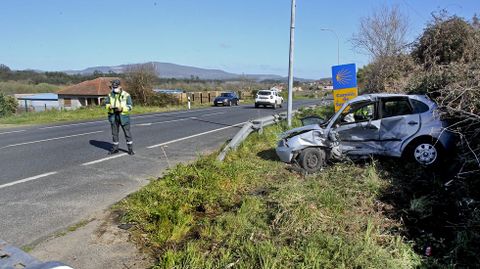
(87, 93)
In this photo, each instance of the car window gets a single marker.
(396, 107)
(418, 106)
(263, 93)
(358, 113)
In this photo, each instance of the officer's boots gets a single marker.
(114, 150)
(130, 149)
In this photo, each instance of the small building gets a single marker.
(87, 93)
(37, 101)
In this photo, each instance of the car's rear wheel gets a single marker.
(312, 159)
(275, 105)
(426, 152)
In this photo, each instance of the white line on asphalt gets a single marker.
(171, 112)
(26, 179)
(49, 139)
(105, 159)
(192, 136)
(66, 125)
(158, 122)
(11, 132)
(210, 114)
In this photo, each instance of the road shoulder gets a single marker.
(98, 244)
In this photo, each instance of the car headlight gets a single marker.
(225, 100)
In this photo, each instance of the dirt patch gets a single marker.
(98, 244)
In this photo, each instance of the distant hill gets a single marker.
(169, 70)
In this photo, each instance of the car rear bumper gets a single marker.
(448, 140)
(264, 102)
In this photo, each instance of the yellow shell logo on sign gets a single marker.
(344, 79)
(342, 96)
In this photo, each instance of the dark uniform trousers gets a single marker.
(116, 129)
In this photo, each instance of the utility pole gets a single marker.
(290, 65)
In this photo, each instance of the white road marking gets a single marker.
(49, 139)
(105, 159)
(67, 125)
(216, 113)
(192, 136)
(159, 122)
(27, 179)
(11, 132)
(159, 114)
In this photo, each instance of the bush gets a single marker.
(8, 105)
(163, 99)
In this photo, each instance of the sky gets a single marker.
(238, 36)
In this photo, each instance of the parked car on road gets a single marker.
(226, 99)
(375, 124)
(268, 98)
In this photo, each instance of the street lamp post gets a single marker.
(290, 65)
(338, 42)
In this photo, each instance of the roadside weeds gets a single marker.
(250, 212)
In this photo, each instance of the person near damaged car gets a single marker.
(118, 105)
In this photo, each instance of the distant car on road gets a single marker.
(268, 98)
(395, 125)
(226, 99)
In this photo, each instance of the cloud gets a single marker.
(225, 45)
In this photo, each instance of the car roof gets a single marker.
(375, 96)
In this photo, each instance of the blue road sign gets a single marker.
(344, 76)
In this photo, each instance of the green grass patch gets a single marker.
(251, 212)
(11, 87)
(81, 114)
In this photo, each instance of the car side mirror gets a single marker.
(311, 120)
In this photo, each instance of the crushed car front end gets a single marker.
(294, 141)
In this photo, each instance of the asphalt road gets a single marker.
(54, 176)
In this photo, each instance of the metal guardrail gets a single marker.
(258, 125)
(248, 128)
(15, 258)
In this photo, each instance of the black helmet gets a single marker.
(115, 83)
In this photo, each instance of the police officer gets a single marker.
(119, 104)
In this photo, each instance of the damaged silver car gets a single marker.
(393, 125)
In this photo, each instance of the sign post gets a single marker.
(344, 79)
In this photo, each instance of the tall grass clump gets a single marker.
(251, 212)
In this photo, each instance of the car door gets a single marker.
(398, 123)
(358, 128)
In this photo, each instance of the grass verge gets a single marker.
(251, 212)
(85, 113)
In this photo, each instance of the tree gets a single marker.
(445, 40)
(140, 79)
(8, 105)
(383, 34)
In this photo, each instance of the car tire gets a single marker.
(312, 159)
(236, 103)
(229, 103)
(275, 105)
(426, 152)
